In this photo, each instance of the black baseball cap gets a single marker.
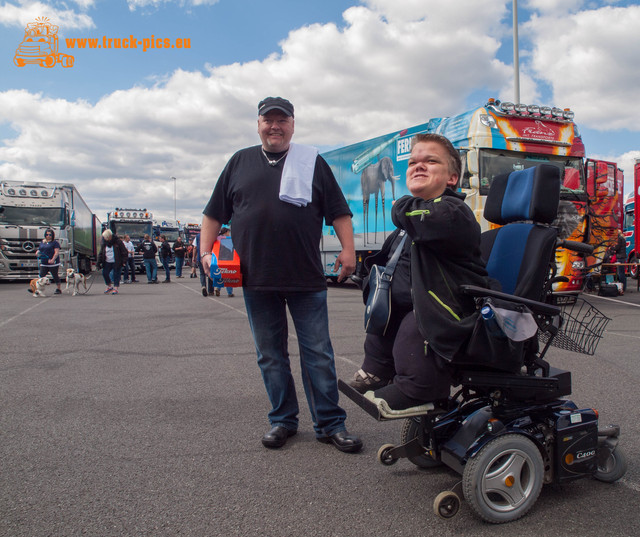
(275, 103)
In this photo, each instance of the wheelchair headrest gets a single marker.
(531, 194)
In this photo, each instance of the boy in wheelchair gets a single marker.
(445, 254)
(507, 430)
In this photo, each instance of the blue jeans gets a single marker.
(151, 267)
(130, 269)
(167, 270)
(111, 279)
(268, 320)
(179, 264)
(205, 281)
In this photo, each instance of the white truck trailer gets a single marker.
(27, 209)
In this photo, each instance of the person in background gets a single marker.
(191, 256)
(165, 258)
(225, 232)
(49, 258)
(265, 217)
(130, 265)
(205, 280)
(179, 251)
(621, 257)
(113, 256)
(149, 249)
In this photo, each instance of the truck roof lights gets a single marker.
(533, 109)
(507, 107)
(545, 111)
(568, 114)
(557, 112)
(521, 109)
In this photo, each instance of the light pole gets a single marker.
(516, 55)
(175, 212)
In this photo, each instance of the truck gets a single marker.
(133, 222)
(499, 137)
(40, 45)
(190, 231)
(631, 221)
(170, 229)
(27, 209)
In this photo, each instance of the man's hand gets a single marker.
(346, 262)
(206, 264)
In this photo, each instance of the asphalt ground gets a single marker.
(141, 415)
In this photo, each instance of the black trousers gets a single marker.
(405, 357)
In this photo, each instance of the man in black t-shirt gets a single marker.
(278, 243)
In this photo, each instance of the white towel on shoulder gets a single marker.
(297, 175)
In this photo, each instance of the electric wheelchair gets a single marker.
(509, 428)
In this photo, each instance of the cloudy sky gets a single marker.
(121, 122)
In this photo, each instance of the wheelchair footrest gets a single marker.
(378, 408)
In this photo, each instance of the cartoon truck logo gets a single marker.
(40, 45)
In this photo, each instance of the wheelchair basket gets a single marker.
(582, 326)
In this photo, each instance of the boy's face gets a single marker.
(428, 170)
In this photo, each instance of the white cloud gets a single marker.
(590, 59)
(27, 11)
(390, 65)
(136, 4)
(376, 76)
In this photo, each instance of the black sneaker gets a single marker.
(204, 292)
(57, 292)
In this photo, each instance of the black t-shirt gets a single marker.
(278, 242)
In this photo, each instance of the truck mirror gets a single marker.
(472, 162)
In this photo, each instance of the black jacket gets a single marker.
(165, 249)
(148, 249)
(445, 254)
(120, 252)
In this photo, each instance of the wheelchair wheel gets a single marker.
(410, 430)
(503, 480)
(383, 455)
(446, 504)
(612, 465)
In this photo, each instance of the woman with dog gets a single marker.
(49, 258)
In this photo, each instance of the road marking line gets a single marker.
(23, 312)
(243, 312)
(615, 300)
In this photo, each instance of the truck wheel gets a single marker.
(633, 270)
(66, 61)
(48, 62)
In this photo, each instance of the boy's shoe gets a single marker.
(204, 291)
(115, 291)
(108, 290)
(363, 382)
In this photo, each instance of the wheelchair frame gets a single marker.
(506, 434)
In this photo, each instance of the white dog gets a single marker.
(36, 285)
(76, 279)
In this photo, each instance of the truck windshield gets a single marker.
(31, 216)
(493, 162)
(133, 229)
(171, 234)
